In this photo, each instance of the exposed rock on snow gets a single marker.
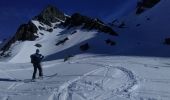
(50, 15)
(167, 41)
(84, 47)
(145, 4)
(88, 23)
(51, 20)
(24, 32)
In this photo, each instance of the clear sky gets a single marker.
(16, 12)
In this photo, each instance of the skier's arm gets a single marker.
(42, 57)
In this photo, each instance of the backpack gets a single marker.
(32, 58)
(36, 58)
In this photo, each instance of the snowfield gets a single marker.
(89, 78)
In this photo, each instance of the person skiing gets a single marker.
(36, 59)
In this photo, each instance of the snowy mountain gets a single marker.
(86, 59)
(58, 36)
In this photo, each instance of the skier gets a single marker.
(36, 59)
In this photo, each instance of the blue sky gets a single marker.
(16, 12)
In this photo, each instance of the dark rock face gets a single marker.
(137, 25)
(41, 28)
(50, 30)
(24, 32)
(73, 32)
(145, 4)
(67, 57)
(38, 45)
(62, 41)
(110, 42)
(50, 15)
(84, 47)
(88, 23)
(167, 41)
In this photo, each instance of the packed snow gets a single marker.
(89, 77)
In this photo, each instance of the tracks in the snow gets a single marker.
(99, 88)
(104, 83)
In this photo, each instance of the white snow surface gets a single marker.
(89, 77)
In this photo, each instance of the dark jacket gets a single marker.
(36, 58)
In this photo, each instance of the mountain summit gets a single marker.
(64, 28)
(50, 15)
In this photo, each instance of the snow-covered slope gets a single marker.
(48, 40)
(59, 36)
(144, 34)
(89, 78)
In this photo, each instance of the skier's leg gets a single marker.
(40, 70)
(35, 71)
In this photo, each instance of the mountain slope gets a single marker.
(59, 36)
(144, 34)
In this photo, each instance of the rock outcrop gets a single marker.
(24, 32)
(167, 41)
(50, 15)
(145, 4)
(28, 31)
(88, 23)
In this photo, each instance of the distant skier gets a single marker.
(36, 59)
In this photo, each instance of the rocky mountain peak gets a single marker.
(88, 23)
(50, 15)
(24, 32)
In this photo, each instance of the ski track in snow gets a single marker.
(93, 85)
(125, 90)
(80, 80)
(70, 87)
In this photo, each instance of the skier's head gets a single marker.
(37, 51)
